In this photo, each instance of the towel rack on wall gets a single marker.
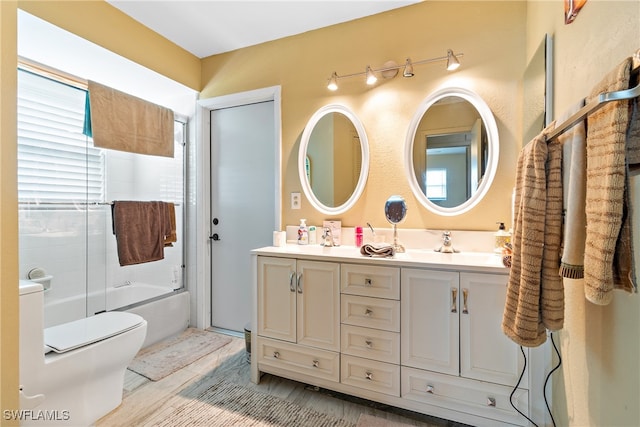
(597, 103)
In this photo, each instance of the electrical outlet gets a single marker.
(295, 201)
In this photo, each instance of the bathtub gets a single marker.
(166, 311)
(132, 293)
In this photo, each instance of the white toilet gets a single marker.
(73, 374)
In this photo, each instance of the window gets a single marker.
(56, 162)
(436, 184)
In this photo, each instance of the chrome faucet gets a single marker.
(327, 236)
(125, 283)
(447, 244)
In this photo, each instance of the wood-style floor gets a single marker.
(144, 398)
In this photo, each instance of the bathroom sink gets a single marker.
(325, 250)
(429, 256)
(460, 258)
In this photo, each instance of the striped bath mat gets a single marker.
(159, 360)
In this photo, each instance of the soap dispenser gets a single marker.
(303, 233)
(502, 237)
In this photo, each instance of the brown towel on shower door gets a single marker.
(140, 229)
(172, 237)
(608, 252)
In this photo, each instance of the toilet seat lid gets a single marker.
(82, 332)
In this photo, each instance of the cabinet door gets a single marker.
(485, 351)
(429, 320)
(318, 291)
(277, 298)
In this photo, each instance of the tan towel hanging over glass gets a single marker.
(120, 121)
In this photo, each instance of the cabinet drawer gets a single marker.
(370, 375)
(368, 312)
(370, 343)
(371, 281)
(479, 398)
(296, 358)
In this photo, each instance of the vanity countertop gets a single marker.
(487, 262)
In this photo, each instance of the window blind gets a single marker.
(436, 184)
(56, 162)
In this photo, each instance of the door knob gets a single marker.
(215, 237)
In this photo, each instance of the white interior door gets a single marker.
(243, 211)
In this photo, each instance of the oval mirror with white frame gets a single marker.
(451, 151)
(333, 161)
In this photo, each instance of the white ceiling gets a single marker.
(209, 27)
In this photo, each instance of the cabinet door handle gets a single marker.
(429, 389)
(291, 286)
(454, 300)
(368, 312)
(299, 283)
(465, 295)
(316, 363)
(276, 354)
(368, 282)
(369, 375)
(491, 401)
(368, 342)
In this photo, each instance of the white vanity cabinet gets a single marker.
(453, 350)
(299, 316)
(370, 307)
(413, 334)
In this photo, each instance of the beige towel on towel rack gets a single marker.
(535, 297)
(574, 145)
(608, 248)
(633, 137)
(140, 229)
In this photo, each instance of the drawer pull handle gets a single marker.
(368, 282)
(276, 354)
(491, 401)
(454, 300)
(465, 295)
(368, 312)
(429, 388)
(369, 375)
(299, 283)
(316, 363)
(291, 276)
(368, 342)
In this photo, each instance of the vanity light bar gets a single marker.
(451, 58)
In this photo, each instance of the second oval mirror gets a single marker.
(451, 152)
(333, 161)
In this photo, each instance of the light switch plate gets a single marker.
(295, 201)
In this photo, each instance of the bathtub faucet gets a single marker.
(125, 283)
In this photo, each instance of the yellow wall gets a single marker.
(8, 213)
(599, 383)
(491, 36)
